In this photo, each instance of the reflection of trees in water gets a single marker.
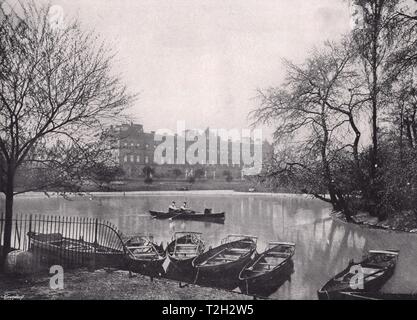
(321, 250)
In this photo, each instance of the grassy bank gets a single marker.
(103, 285)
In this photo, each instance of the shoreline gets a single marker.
(339, 217)
(40, 194)
(80, 284)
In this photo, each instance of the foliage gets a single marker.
(345, 118)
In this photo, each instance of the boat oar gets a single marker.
(181, 213)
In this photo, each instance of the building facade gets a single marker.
(134, 149)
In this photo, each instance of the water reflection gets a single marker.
(323, 247)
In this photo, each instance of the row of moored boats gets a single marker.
(236, 262)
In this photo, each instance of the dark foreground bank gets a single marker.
(107, 285)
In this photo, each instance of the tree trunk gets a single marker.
(7, 237)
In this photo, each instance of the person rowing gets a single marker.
(184, 208)
(172, 207)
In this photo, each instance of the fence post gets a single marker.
(30, 229)
(95, 244)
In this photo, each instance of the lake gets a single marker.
(323, 246)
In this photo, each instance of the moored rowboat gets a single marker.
(144, 256)
(377, 296)
(184, 247)
(268, 270)
(368, 275)
(56, 247)
(221, 265)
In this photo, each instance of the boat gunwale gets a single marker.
(386, 269)
(52, 245)
(226, 263)
(278, 266)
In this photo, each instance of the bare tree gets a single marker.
(315, 112)
(377, 40)
(57, 92)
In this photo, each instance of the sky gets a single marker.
(201, 61)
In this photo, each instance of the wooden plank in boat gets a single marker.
(145, 254)
(138, 247)
(257, 271)
(264, 264)
(277, 254)
(186, 249)
(238, 250)
(230, 256)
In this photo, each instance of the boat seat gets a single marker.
(230, 256)
(138, 247)
(257, 271)
(186, 250)
(278, 254)
(219, 260)
(238, 250)
(80, 246)
(183, 254)
(264, 264)
(145, 254)
(191, 245)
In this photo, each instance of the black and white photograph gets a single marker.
(228, 151)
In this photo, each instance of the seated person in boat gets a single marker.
(172, 207)
(184, 207)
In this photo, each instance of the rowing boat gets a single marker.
(268, 270)
(368, 275)
(144, 256)
(54, 247)
(377, 296)
(189, 215)
(183, 248)
(221, 265)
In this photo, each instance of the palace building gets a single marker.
(134, 149)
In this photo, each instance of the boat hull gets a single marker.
(182, 268)
(50, 253)
(368, 286)
(211, 217)
(267, 283)
(225, 275)
(147, 267)
(333, 289)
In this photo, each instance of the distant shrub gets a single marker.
(148, 180)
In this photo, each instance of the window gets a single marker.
(146, 159)
(132, 158)
(147, 146)
(137, 159)
(125, 158)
